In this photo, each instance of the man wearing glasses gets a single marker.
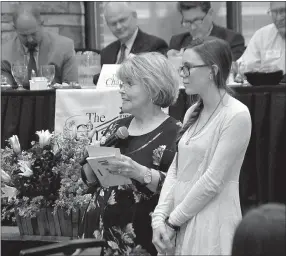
(121, 19)
(266, 48)
(197, 17)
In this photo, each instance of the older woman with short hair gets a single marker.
(121, 214)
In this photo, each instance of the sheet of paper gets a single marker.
(106, 178)
(94, 151)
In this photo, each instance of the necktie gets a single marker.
(32, 63)
(122, 53)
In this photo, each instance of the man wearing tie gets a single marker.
(121, 19)
(35, 47)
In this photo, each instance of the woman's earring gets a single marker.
(211, 77)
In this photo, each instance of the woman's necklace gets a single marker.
(194, 133)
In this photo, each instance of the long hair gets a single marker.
(261, 232)
(213, 51)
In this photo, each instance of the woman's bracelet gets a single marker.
(175, 228)
(160, 182)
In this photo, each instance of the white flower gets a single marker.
(44, 137)
(25, 169)
(113, 245)
(136, 197)
(9, 192)
(127, 239)
(111, 200)
(14, 142)
(97, 234)
(5, 176)
(129, 229)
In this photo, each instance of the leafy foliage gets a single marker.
(46, 175)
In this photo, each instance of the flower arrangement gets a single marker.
(46, 175)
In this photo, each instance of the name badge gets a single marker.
(272, 54)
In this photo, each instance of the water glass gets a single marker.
(4, 80)
(20, 73)
(88, 66)
(48, 71)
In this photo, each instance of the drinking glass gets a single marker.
(20, 73)
(4, 80)
(48, 71)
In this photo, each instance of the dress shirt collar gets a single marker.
(27, 50)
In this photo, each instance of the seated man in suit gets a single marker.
(121, 19)
(266, 48)
(38, 47)
(197, 17)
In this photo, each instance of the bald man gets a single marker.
(39, 47)
(121, 18)
(266, 48)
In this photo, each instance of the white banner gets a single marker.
(86, 109)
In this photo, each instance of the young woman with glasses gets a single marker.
(199, 205)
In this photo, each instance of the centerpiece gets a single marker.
(42, 187)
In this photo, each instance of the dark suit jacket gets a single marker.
(143, 43)
(54, 49)
(235, 40)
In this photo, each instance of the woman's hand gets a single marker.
(89, 173)
(162, 237)
(125, 166)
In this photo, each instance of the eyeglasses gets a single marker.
(185, 69)
(195, 22)
(274, 13)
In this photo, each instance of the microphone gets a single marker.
(120, 134)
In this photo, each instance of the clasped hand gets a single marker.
(162, 237)
(125, 166)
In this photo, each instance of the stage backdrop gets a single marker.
(84, 110)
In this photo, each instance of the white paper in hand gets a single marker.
(98, 156)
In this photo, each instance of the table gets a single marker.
(12, 242)
(24, 112)
(265, 160)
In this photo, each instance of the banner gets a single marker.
(82, 110)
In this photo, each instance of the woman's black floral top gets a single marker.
(121, 214)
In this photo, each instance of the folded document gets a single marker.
(98, 157)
